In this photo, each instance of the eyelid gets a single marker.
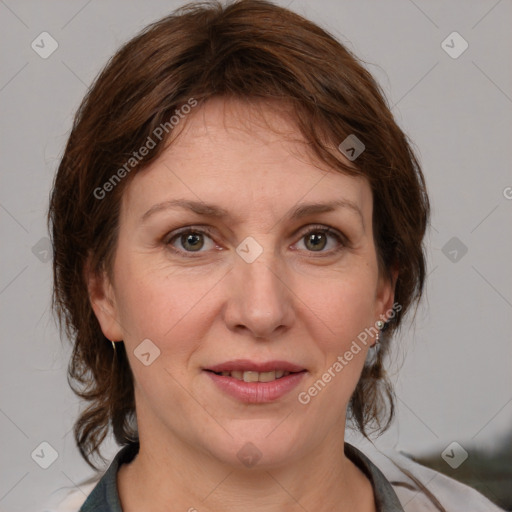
(175, 233)
(322, 227)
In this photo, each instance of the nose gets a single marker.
(259, 302)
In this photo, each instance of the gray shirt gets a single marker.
(105, 498)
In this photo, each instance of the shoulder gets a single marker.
(70, 499)
(97, 493)
(421, 489)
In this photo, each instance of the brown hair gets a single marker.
(248, 49)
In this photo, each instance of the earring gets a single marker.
(379, 324)
(113, 345)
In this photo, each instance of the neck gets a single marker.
(182, 477)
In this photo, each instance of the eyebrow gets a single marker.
(214, 211)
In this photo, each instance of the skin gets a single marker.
(293, 303)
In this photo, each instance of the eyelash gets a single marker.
(205, 230)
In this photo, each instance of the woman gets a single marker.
(238, 230)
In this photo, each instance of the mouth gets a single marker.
(251, 376)
(252, 382)
(252, 371)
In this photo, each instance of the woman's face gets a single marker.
(256, 284)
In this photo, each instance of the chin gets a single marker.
(258, 445)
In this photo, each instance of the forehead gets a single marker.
(250, 157)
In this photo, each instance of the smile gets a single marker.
(249, 376)
(252, 382)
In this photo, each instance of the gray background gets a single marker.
(452, 368)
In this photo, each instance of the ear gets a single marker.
(386, 292)
(102, 298)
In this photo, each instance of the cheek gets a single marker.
(159, 304)
(343, 309)
(344, 305)
(167, 308)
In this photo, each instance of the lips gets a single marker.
(254, 382)
(245, 365)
